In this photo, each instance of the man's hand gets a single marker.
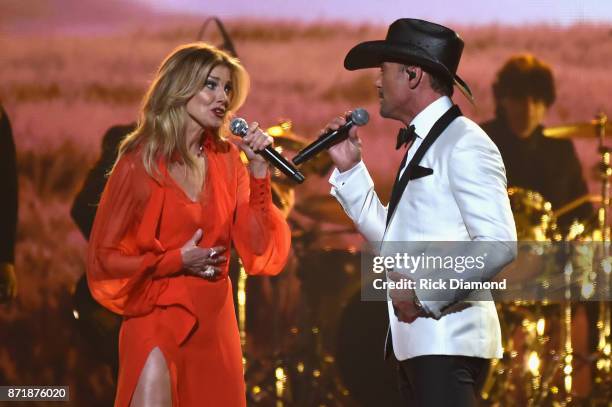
(8, 283)
(403, 300)
(347, 153)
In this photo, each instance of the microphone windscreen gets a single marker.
(239, 127)
(360, 116)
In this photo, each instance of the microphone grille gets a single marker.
(239, 126)
(360, 116)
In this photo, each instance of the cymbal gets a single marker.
(323, 208)
(576, 203)
(318, 165)
(285, 138)
(588, 129)
(290, 141)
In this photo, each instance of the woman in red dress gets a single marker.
(177, 198)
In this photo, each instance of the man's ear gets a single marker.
(415, 74)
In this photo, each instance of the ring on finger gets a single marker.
(209, 271)
(212, 253)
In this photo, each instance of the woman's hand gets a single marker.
(255, 140)
(202, 262)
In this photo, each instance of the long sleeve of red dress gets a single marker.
(261, 234)
(126, 260)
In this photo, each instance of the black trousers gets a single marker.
(440, 380)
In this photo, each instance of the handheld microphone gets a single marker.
(359, 117)
(239, 127)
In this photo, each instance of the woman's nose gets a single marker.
(223, 96)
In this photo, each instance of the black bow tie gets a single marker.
(405, 136)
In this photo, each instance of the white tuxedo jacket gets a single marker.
(464, 199)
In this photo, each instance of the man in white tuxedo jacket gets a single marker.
(451, 187)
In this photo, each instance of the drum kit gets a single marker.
(334, 340)
(540, 362)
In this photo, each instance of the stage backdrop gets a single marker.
(70, 69)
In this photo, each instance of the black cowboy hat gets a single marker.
(433, 47)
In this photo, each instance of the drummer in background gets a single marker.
(524, 90)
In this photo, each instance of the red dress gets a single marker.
(134, 255)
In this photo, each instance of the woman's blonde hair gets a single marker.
(161, 125)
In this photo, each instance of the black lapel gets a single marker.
(400, 185)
